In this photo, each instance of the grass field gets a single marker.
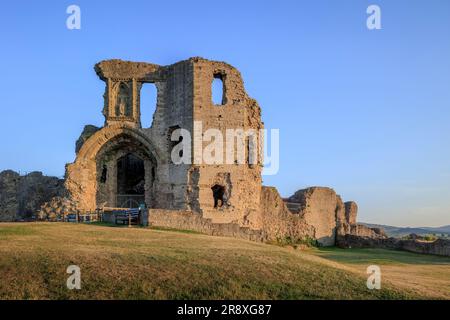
(427, 274)
(139, 263)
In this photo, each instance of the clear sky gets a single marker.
(364, 112)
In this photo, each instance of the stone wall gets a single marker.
(22, 196)
(278, 222)
(242, 180)
(88, 131)
(364, 231)
(351, 211)
(439, 247)
(320, 215)
(186, 220)
(321, 208)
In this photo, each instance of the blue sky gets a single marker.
(365, 112)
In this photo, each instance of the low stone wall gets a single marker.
(364, 231)
(186, 220)
(439, 247)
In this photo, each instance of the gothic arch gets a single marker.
(96, 142)
(82, 176)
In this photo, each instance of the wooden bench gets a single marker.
(71, 217)
(130, 216)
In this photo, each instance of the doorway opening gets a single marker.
(130, 181)
(218, 195)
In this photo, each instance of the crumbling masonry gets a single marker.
(125, 164)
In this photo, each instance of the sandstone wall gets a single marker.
(439, 247)
(22, 196)
(186, 220)
(364, 231)
(321, 208)
(351, 211)
(9, 185)
(242, 181)
(87, 132)
(278, 222)
(331, 218)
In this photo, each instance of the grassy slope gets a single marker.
(427, 274)
(122, 263)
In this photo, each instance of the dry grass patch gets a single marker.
(139, 263)
(426, 274)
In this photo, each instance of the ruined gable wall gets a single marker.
(243, 182)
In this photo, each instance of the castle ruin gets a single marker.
(126, 164)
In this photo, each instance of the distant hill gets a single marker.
(398, 232)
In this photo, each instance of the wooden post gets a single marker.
(129, 220)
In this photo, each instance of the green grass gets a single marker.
(140, 263)
(381, 256)
(113, 225)
(175, 230)
(17, 230)
(425, 274)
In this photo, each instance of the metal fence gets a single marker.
(130, 200)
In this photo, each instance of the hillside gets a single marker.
(138, 263)
(398, 232)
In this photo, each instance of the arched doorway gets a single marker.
(130, 181)
(126, 174)
(91, 179)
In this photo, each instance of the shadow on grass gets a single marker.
(380, 256)
(113, 225)
(174, 230)
(19, 230)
